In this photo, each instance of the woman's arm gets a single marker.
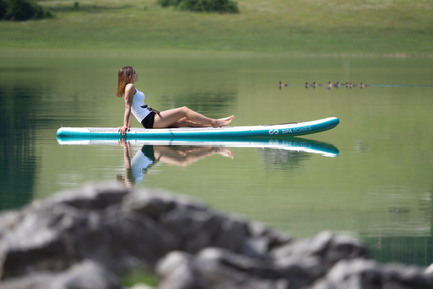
(129, 95)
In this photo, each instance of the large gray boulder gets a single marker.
(92, 236)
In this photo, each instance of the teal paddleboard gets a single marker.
(280, 130)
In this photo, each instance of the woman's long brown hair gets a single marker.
(123, 78)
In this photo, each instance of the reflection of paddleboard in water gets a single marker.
(289, 144)
(280, 130)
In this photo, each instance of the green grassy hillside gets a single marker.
(376, 27)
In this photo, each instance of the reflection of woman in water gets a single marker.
(149, 155)
(176, 117)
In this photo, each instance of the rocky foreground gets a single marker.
(92, 236)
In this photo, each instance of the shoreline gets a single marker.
(195, 53)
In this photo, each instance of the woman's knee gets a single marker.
(185, 110)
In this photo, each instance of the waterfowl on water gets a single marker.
(283, 84)
(330, 85)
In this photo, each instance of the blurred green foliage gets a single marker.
(22, 10)
(202, 5)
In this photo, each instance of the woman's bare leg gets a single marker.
(184, 115)
(184, 122)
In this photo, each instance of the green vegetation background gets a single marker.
(305, 27)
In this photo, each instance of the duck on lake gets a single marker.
(282, 84)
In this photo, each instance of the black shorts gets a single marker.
(147, 122)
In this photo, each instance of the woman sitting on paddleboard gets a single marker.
(149, 118)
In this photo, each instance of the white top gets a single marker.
(136, 109)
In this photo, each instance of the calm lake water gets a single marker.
(377, 184)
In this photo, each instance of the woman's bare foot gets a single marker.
(222, 121)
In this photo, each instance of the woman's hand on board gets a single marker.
(123, 129)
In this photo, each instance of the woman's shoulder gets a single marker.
(130, 86)
(130, 89)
